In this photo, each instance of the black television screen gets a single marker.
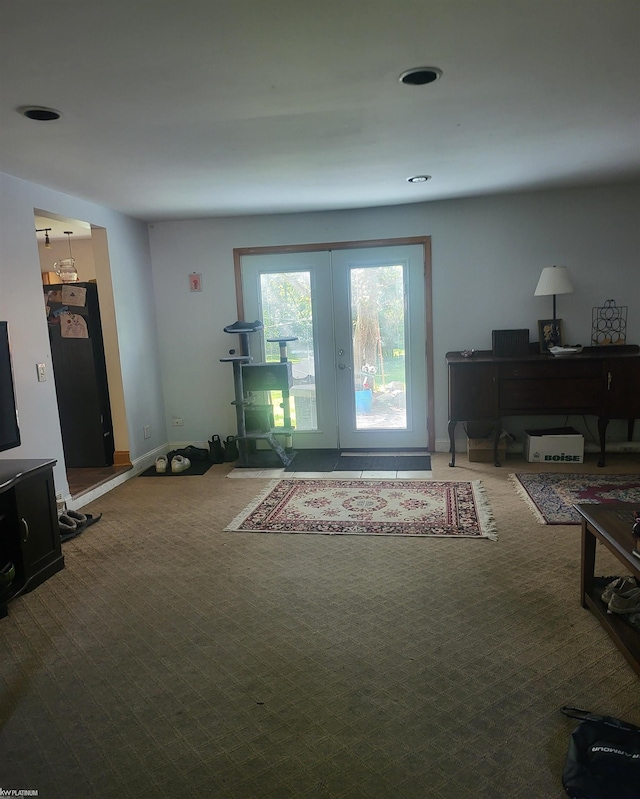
(9, 430)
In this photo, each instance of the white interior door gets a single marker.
(359, 365)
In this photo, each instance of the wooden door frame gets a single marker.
(424, 241)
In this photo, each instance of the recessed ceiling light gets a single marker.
(419, 179)
(420, 76)
(39, 113)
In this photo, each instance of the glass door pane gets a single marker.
(379, 340)
(291, 294)
(378, 324)
(359, 365)
(287, 311)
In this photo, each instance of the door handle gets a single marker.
(25, 537)
(343, 366)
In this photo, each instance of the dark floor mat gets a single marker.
(314, 460)
(330, 460)
(384, 463)
(197, 467)
(67, 535)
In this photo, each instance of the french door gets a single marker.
(358, 358)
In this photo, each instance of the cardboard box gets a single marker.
(480, 450)
(557, 445)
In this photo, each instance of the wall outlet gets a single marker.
(176, 422)
(146, 431)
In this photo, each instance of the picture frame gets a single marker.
(545, 328)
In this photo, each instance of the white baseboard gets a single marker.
(138, 465)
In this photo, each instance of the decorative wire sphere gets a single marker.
(609, 324)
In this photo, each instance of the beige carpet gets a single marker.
(171, 659)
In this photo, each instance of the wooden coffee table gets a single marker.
(611, 524)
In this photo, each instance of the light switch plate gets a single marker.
(42, 376)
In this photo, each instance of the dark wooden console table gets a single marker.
(611, 525)
(29, 530)
(599, 381)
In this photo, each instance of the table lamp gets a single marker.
(554, 280)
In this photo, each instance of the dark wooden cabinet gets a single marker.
(80, 370)
(543, 387)
(475, 391)
(610, 525)
(599, 381)
(29, 531)
(623, 390)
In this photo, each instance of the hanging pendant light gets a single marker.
(45, 230)
(66, 267)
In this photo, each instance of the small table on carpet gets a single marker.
(611, 524)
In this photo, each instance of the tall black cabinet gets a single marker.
(81, 375)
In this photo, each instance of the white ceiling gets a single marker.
(58, 225)
(217, 107)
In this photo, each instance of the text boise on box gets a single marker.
(556, 445)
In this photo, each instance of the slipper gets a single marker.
(66, 523)
(79, 518)
(66, 535)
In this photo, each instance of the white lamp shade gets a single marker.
(554, 280)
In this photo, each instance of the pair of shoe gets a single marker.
(177, 463)
(70, 520)
(622, 596)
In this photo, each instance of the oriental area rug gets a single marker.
(373, 507)
(552, 495)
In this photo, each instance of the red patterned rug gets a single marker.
(551, 496)
(371, 507)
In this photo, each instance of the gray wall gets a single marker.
(488, 253)
(21, 304)
(487, 256)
